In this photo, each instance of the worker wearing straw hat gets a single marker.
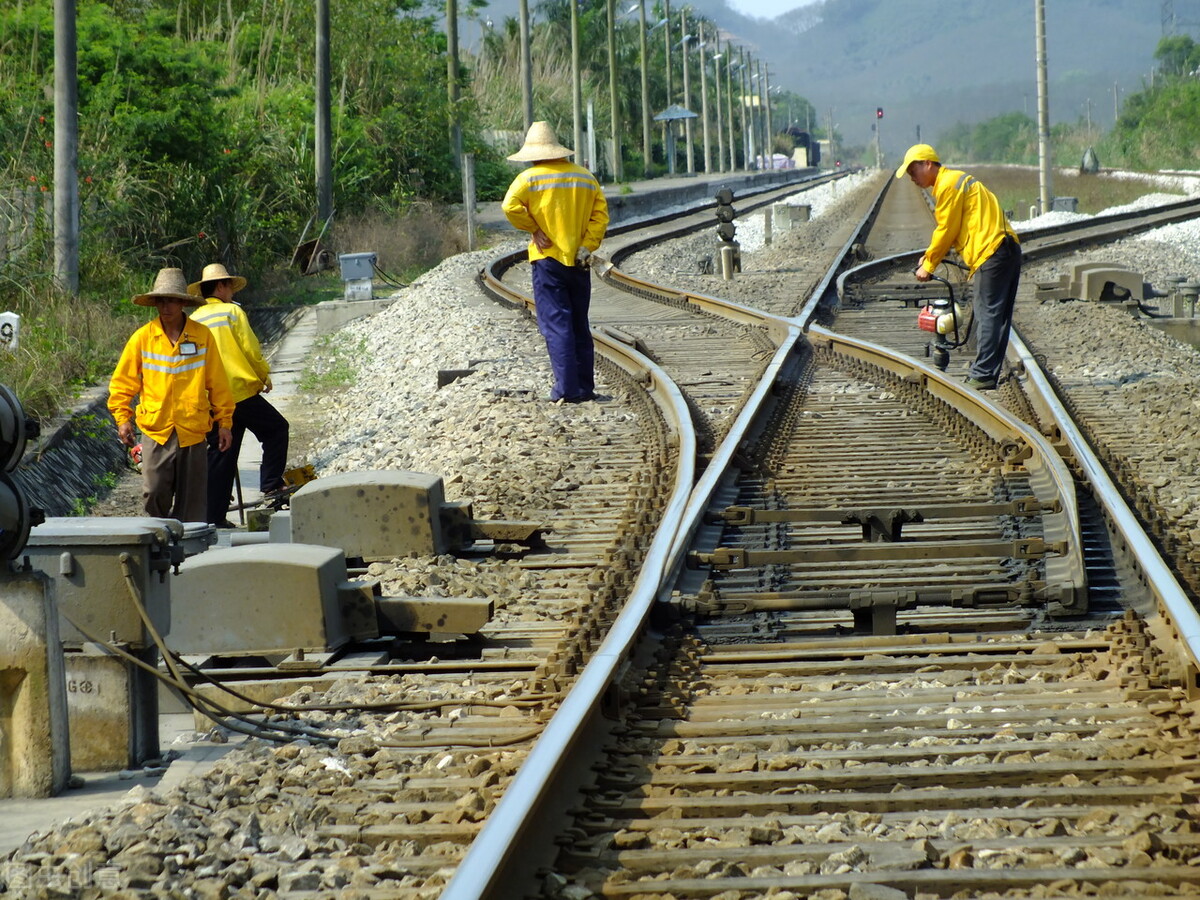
(563, 208)
(249, 378)
(174, 365)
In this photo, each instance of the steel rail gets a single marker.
(517, 829)
(1172, 601)
(1050, 477)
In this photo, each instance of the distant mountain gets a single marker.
(933, 63)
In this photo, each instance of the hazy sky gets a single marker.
(767, 9)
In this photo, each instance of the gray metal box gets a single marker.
(82, 557)
(357, 266)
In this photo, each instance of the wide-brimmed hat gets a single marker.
(917, 153)
(215, 272)
(540, 143)
(170, 284)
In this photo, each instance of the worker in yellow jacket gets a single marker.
(563, 208)
(174, 365)
(970, 220)
(249, 378)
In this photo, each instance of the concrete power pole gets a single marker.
(452, 80)
(1045, 190)
(614, 107)
(577, 89)
(323, 129)
(704, 98)
(526, 67)
(66, 149)
(646, 137)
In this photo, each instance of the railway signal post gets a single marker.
(731, 251)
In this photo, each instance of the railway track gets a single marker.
(882, 673)
(823, 622)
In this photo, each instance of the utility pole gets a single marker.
(614, 111)
(832, 149)
(687, 91)
(646, 140)
(668, 143)
(323, 128)
(1045, 190)
(716, 60)
(747, 132)
(576, 88)
(66, 149)
(527, 67)
(728, 67)
(764, 84)
(704, 99)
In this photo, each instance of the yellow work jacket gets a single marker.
(969, 219)
(182, 385)
(562, 199)
(241, 353)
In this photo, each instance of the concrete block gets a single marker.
(333, 314)
(34, 744)
(266, 599)
(788, 216)
(113, 708)
(372, 515)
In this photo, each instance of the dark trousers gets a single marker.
(995, 295)
(562, 296)
(173, 479)
(270, 428)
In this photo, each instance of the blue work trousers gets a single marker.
(995, 295)
(562, 296)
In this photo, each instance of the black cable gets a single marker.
(388, 279)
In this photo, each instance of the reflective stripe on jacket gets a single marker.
(181, 392)
(565, 201)
(969, 219)
(241, 353)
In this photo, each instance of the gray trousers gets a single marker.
(175, 479)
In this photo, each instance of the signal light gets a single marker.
(879, 112)
(725, 214)
(16, 515)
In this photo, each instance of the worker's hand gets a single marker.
(541, 240)
(266, 388)
(125, 433)
(224, 439)
(922, 274)
(583, 257)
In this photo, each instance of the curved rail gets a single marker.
(1173, 603)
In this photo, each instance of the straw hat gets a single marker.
(541, 143)
(169, 283)
(215, 272)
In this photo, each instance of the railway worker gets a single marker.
(174, 364)
(563, 208)
(249, 378)
(969, 219)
